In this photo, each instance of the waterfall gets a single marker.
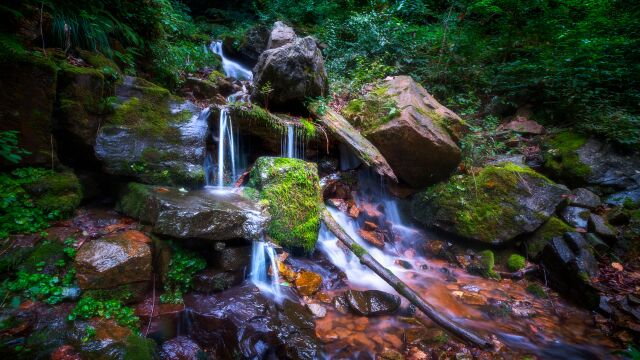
(261, 253)
(231, 68)
(292, 143)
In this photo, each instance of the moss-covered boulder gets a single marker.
(153, 136)
(495, 205)
(197, 214)
(57, 192)
(291, 190)
(553, 228)
(26, 105)
(577, 160)
(414, 132)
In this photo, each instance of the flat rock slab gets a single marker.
(207, 214)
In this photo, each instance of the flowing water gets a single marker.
(263, 258)
(231, 68)
(293, 142)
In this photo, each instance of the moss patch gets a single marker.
(484, 265)
(537, 291)
(372, 110)
(562, 160)
(516, 262)
(291, 190)
(150, 115)
(554, 227)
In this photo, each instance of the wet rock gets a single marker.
(162, 320)
(200, 89)
(294, 70)
(628, 196)
(516, 159)
(281, 34)
(308, 283)
(575, 216)
(153, 137)
(599, 226)
(470, 298)
(53, 191)
(210, 280)
(389, 354)
(582, 197)
(254, 42)
(580, 161)
(371, 302)
(232, 258)
(418, 139)
(501, 203)
(317, 310)
(598, 245)
(118, 259)
(181, 348)
(111, 341)
(570, 267)
(373, 238)
(200, 214)
(403, 264)
(292, 189)
(535, 243)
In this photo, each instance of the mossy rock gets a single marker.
(516, 262)
(291, 190)
(483, 264)
(375, 108)
(494, 206)
(554, 227)
(43, 257)
(101, 63)
(562, 161)
(57, 192)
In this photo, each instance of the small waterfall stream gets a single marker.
(263, 257)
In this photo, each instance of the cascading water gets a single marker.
(263, 257)
(292, 144)
(230, 67)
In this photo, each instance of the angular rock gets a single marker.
(582, 197)
(581, 161)
(162, 320)
(535, 243)
(628, 196)
(113, 260)
(292, 189)
(199, 88)
(570, 266)
(598, 245)
(295, 72)
(500, 203)
(181, 348)
(524, 126)
(373, 238)
(308, 282)
(413, 132)
(599, 226)
(281, 35)
(200, 214)
(371, 302)
(317, 310)
(575, 216)
(153, 137)
(232, 258)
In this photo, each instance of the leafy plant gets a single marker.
(182, 267)
(89, 307)
(9, 149)
(265, 90)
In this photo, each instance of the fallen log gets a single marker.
(401, 287)
(362, 148)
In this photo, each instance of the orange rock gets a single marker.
(370, 226)
(394, 340)
(107, 329)
(308, 282)
(372, 238)
(354, 211)
(371, 213)
(324, 297)
(286, 272)
(135, 235)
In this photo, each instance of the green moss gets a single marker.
(44, 255)
(537, 291)
(125, 294)
(58, 192)
(291, 190)
(134, 201)
(554, 227)
(372, 110)
(140, 348)
(516, 262)
(309, 127)
(103, 64)
(562, 160)
(148, 116)
(358, 250)
(215, 76)
(484, 265)
(482, 204)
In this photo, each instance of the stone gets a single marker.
(281, 35)
(371, 302)
(535, 243)
(417, 138)
(317, 310)
(181, 348)
(581, 161)
(200, 89)
(598, 245)
(201, 214)
(373, 238)
(161, 320)
(570, 267)
(295, 72)
(232, 258)
(113, 260)
(584, 198)
(153, 137)
(575, 216)
(210, 280)
(308, 283)
(501, 202)
(254, 42)
(55, 191)
(291, 188)
(599, 226)
(628, 196)
(524, 126)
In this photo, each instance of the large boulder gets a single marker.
(201, 214)
(294, 72)
(153, 136)
(493, 206)
(581, 161)
(26, 105)
(414, 132)
(113, 260)
(281, 35)
(291, 188)
(54, 192)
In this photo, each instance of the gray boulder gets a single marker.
(200, 214)
(281, 34)
(294, 71)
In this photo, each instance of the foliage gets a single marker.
(9, 149)
(182, 268)
(516, 262)
(371, 110)
(89, 307)
(482, 143)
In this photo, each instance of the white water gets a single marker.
(230, 67)
(263, 252)
(292, 143)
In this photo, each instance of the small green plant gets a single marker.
(89, 334)
(537, 291)
(182, 267)
(9, 149)
(516, 262)
(265, 90)
(319, 104)
(89, 307)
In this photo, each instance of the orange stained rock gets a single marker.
(308, 282)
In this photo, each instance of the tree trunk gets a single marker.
(401, 287)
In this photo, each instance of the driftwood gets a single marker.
(340, 128)
(401, 287)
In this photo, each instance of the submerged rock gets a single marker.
(295, 72)
(493, 206)
(181, 348)
(291, 188)
(580, 161)
(200, 214)
(414, 132)
(113, 260)
(371, 302)
(153, 137)
(308, 282)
